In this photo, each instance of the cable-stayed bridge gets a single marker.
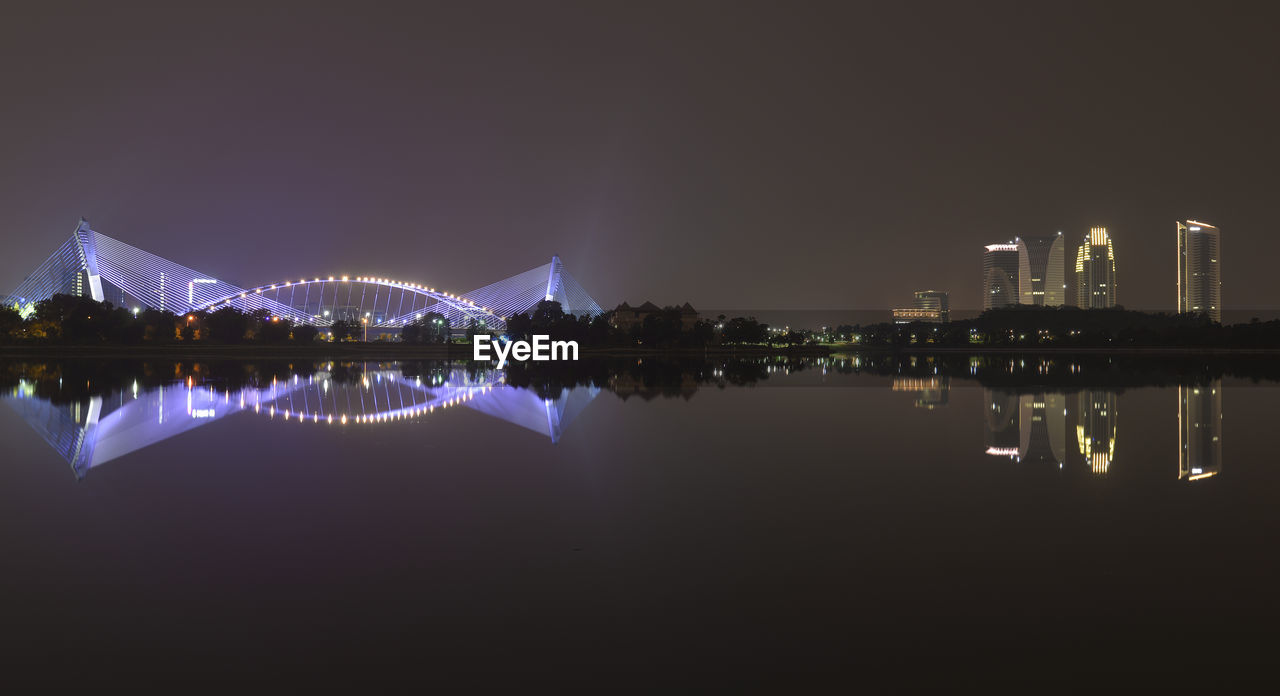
(91, 264)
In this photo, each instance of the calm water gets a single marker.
(637, 524)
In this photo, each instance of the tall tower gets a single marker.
(1000, 275)
(1200, 269)
(1096, 271)
(1041, 271)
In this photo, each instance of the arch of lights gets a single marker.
(380, 302)
(92, 264)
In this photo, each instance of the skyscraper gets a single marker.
(1000, 275)
(1096, 271)
(1200, 269)
(1200, 431)
(1041, 271)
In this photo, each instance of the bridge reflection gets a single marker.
(97, 429)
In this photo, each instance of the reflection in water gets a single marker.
(1026, 427)
(1034, 427)
(1096, 429)
(1002, 432)
(934, 391)
(1200, 431)
(94, 430)
(92, 414)
(1042, 420)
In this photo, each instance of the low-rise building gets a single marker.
(931, 306)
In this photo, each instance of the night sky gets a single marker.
(779, 155)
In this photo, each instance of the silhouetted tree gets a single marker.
(344, 330)
(10, 325)
(305, 333)
(432, 327)
(226, 325)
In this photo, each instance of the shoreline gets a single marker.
(1056, 350)
(463, 351)
(366, 350)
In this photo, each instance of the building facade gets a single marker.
(999, 275)
(938, 300)
(1200, 269)
(1041, 271)
(907, 315)
(1096, 271)
(931, 306)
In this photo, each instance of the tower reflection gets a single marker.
(1001, 433)
(1200, 431)
(1042, 421)
(1096, 429)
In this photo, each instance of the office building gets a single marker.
(999, 275)
(930, 306)
(1200, 269)
(936, 300)
(1041, 271)
(1096, 271)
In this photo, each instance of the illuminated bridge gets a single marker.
(95, 265)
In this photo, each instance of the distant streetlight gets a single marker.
(365, 320)
(189, 318)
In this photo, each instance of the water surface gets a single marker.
(636, 523)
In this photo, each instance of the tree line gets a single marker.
(1068, 327)
(665, 328)
(75, 320)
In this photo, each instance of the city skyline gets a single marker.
(669, 153)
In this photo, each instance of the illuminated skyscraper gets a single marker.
(1000, 275)
(1200, 269)
(1041, 271)
(1200, 431)
(1096, 429)
(1096, 271)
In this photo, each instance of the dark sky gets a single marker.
(780, 155)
